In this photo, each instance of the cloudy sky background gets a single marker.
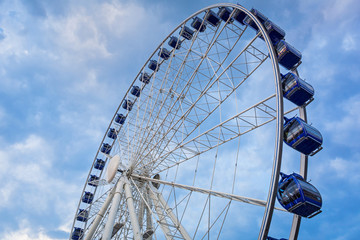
(65, 65)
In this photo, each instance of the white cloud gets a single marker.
(349, 42)
(338, 9)
(344, 129)
(24, 163)
(31, 184)
(102, 30)
(113, 15)
(79, 34)
(3, 116)
(345, 169)
(26, 233)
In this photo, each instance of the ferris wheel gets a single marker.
(194, 149)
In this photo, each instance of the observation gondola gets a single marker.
(127, 105)
(93, 180)
(99, 164)
(298, 196)
(82, 215)
(301, 136)
(212, 18)
(198, 24)
(261, 17)
(224, 13)
(288, 56)
(186, 33)
(271, 238)
(296, 90)
(112, 133)
(275, 32)
(77, 233)
(88, 197)
(135, 91)
(240, 16)
(120, 118)
(145, 77)
(164, 53)
(106, 148)
(153, 65)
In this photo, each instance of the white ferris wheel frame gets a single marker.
(124, 182)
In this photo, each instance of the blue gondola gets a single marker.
(99, 164)
(296, 90)
(240, 16)
(145, 77)
(135, 90)
(271, 238)
(198, 24)
(298, 196)
(186, 32)
(148, 234)
(153, 65)
(301, 136)
(127, 105)
(93, 180)
(224, 13)
(275, 32)
(112, 133)
(77, 233)
(174, 42)
(82, 215)
(88, 197)
(120, 118)
(106, 148)
(261, 17)
(164, 53)
(212, 18)
(288, 56)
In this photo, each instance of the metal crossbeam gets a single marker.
(229, 196)
(240, 124)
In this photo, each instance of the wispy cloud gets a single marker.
(349, 42)
(27, 232)
(30, 184)
(344, 129)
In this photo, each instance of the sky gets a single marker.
(65, 66)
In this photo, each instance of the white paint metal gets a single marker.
(113, 210)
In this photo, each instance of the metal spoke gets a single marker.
(229, 196)
(167, 211)
(185, 121)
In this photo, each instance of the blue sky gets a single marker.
(65, 65)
